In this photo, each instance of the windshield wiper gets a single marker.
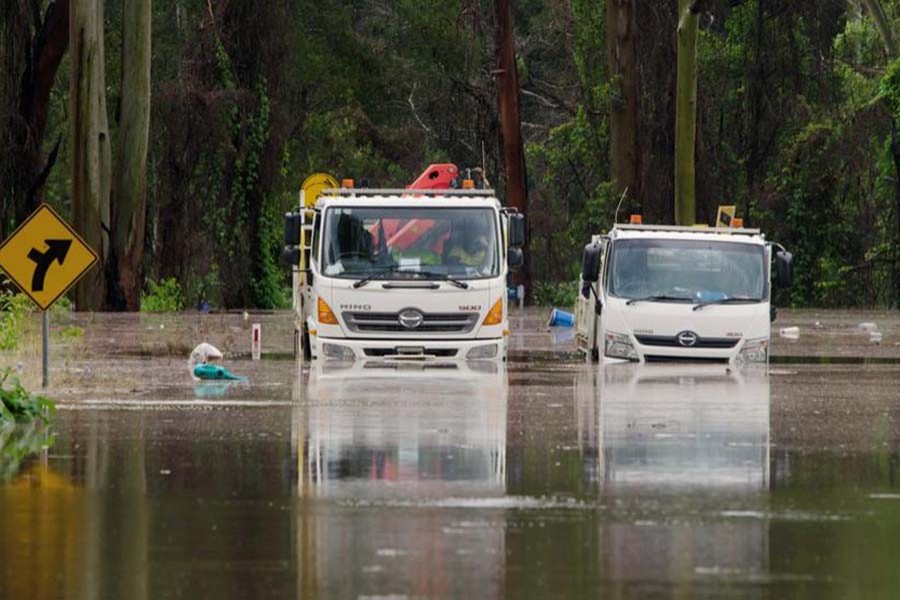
(396, 269)
(734, 300)
(661, 298)
(444, 277)
(374, 274)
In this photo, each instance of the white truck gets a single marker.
(661, 293)
(403, 273)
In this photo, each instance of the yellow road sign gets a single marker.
(45, 257)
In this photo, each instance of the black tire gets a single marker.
(595, 354)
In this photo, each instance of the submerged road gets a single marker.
(456, 480)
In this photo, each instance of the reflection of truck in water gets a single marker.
(669, 432)
(694, 426)
(385, 450)
(375, 428)
(653, 293)
(415, 273)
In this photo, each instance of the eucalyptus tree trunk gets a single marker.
(89, 138)
(621, 46)
(686, 113)
(130, 177)
(510, 119)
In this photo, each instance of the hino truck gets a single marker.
(660, 293)
(415, 273)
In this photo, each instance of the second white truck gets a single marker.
(660, 293)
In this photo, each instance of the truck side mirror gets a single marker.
(291, 256)
(590, 263)
(516, 230)
(784, 269)
(292, 229)
(515, 258)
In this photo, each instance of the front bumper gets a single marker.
(415, 349)
(655, 354)
(743, 351)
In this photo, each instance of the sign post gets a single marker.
(44, 257)
(45, 349)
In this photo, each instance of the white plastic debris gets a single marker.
(789, 332)
(202, 354)
(867, 326)
(875, 337)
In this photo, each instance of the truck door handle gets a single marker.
(410, 286)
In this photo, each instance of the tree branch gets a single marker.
(43, 175)
(412, 107)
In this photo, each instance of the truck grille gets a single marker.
(372, 322)
(439, 352)
(655, 358)
(666, 341)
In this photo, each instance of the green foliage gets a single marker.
(71, 332)
(164, 296)
(562, 294)
(18, 405)
(268, 288)
(889, 88)
(13, 310)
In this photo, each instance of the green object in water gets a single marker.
(215, 372)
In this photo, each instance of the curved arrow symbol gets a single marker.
(56, 250)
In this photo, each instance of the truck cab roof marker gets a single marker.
(676, 228)
(405, 192)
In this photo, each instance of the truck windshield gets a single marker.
(461, 243)
(687, 270)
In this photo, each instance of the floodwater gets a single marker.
(456, 480)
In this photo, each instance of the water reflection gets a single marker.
(20, 441)
(445, 480)
(682, 427)
(437, 429)
(400, 447)
(670, 431)
(658, 446)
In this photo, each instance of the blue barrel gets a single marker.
(561, 318)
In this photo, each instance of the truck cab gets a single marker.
(663, 293)
(405, 274)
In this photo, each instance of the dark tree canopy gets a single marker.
(797, 109)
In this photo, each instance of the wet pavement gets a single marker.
(458, 480)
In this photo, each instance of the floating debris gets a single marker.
(792, 333)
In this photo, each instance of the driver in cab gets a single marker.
(468, 245)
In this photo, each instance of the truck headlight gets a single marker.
(754, 351)
(336, 352)
(489, 351)
(620, 346)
